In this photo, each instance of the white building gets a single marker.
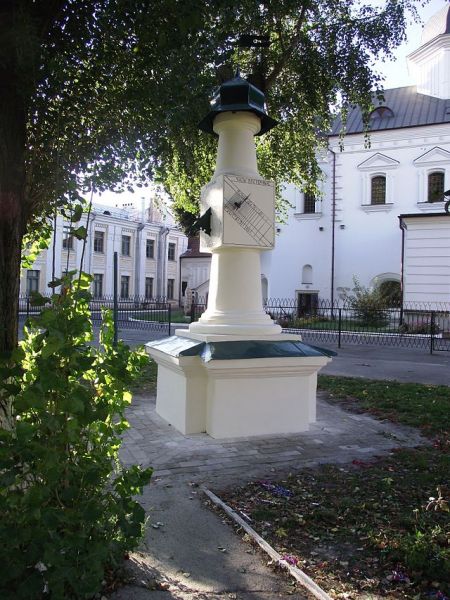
(148, 246)
(354, 229)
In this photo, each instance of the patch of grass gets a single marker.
(146, 380)
(361, 530)
(176, 316)
(369, 529)
(424, 406)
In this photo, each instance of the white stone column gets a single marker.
(235, 300)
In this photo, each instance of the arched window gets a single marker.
(436, 186)
(381, 112)
(378, 190)
(307, 274)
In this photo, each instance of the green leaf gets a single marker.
(79, 232)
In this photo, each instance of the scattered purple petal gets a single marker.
(399, 577)
(276, 490)
(290, 559)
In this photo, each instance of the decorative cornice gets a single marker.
(434, 156)
(378, 161)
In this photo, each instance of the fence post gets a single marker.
(169, 315)
(115, 304)
(193, 311)
(28, 307)
(432, 325)
(339, 327)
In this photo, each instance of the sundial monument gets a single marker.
(234, 373)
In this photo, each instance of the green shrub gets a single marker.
(368, 305)
(391, 293)
(68, 512)
(425, 552)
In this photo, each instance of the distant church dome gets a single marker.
(438, 24)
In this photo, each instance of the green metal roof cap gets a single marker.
(237, 95)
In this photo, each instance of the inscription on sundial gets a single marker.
(243, 212)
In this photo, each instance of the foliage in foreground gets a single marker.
(67, 508)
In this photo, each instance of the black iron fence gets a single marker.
(135, 312)
(409, 326)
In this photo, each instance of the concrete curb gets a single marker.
(295, 572)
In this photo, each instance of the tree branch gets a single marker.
(270, 79)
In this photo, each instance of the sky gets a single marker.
(395, 71)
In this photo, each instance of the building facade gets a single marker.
(148, 247)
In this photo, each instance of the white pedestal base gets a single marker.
(237, 398)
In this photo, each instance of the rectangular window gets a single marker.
(99, 241)
(378, 190)
(125, 286)
(149, 288)
(67, 238)
(309, 204)
(170, 288)
(98, 285)
(150, 249)
(126, 241)
(32, 281)
(184, 285)
(436, 187)
(171, 252)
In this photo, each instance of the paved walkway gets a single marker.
(337, 436)
(190, 548)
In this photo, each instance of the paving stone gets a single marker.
(337, 436)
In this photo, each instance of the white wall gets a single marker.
(426, 275)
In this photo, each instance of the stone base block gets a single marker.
(230, 398)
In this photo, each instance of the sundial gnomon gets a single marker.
(247, 214)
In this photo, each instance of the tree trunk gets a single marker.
(10, 252)
(12, 220)
(13, 121)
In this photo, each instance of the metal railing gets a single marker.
(134, 312)
(411, 325)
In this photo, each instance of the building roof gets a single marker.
(423, 215)
(438, 24)
(193, 249)
(409, 109)
(419, 216)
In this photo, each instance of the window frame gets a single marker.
(31, 289)
(124, 282)
(67, 241)
(149, 284)
(125, 246)
(150, 243)
(440, 197)
(373, 178)
(309, 204)
(95, 283)
(171, 251)
(99, 235)
(170, 289)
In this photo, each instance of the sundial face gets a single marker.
(243, 212)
